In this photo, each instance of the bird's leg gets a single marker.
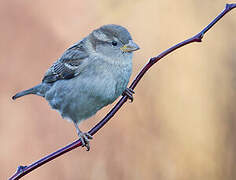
(84, 137)
(129, 92)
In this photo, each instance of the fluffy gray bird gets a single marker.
(89, 75)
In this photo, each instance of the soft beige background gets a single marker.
(182, 123)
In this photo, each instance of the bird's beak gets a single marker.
(131, 46)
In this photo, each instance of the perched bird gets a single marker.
(89, 75)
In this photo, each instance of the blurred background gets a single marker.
(182, 123)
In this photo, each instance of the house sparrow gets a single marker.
(89, 75)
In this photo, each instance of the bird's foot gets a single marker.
(85, 138)
(129, 92)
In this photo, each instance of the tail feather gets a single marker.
(23, 93)
(33, 90)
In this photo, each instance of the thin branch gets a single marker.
(23, 170)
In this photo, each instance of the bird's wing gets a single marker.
(67, 66)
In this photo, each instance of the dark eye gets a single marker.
(114, 43)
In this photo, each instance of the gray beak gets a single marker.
(131, 46)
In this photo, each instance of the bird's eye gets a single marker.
(114, 43)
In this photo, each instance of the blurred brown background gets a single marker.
(181, 125)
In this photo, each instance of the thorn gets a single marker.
(202, 35)
(198, 37)
(20, 169)
(227, 6)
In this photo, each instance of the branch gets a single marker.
(23, 170)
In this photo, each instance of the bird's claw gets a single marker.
(129, 92)
(85, 138)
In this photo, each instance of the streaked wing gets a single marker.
(67, 66)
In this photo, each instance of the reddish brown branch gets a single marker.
(23, 170)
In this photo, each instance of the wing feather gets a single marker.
(67, 66)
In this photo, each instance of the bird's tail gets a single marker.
(33, 90)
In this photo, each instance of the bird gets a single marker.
(89, 75)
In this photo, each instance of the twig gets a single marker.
(23, 170)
